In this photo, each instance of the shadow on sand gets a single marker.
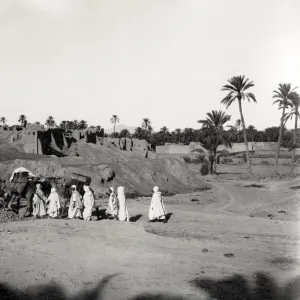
(135, 218)
(232, 288)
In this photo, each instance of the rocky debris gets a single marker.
(8, 216)
(229, 255)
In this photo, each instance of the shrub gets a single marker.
(265, 162)
(200, 158)
(205, 168)
(187, 159)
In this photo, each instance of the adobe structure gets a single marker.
(259, 148)
(36, 139)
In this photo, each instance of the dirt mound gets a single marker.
(170, 174)
(127, 162)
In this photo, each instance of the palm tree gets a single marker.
(236, 91)
(82, 124)
(115, 119)
(178, 133)
(294, 113)
(138, 132)
(22, 120)
(3, 120)
(63, 124)
(283, 96)
(165, 133)
(213, 134)
(50, 122)
(188, 135)
(150, 129)
(146, 123)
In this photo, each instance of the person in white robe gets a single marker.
(54, 204)
(157, 209)
(112, 209)
(123, 214)
(75, 204)
(88, 202)
(39, 200)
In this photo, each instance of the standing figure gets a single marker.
(157, 208)
(75, 204)
(54, 204)
(88, 202)
(123, 211)
(112, 204)
(39, 200)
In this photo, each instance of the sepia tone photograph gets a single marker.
(149, 150)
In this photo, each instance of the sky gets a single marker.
(161, 59)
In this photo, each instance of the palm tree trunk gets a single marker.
(279, 142)
(295, 141)
(115, 126)
(211, 165)
(249, 169)
(215, 161)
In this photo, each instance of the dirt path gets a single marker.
(73, 256)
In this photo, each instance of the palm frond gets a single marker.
(251, 96)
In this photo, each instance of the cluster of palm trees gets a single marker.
(213, 133)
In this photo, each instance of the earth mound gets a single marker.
(110, 162)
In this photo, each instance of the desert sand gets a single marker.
(238, 239)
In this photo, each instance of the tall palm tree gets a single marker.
(213, 134)
(50, 122)
(294, 113)
(236, 91)
(146, 123)
(283, 96)
(22, 120)
(115, 119)
(3, 120)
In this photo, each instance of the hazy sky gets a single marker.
(162, 59)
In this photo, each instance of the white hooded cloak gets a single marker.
(112, 203)
(123, 211)
(157, 208)
(39, 200)
(88, 202)
(54, 204)
(75, 205)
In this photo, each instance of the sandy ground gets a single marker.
(255, 227)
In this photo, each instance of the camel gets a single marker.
(25, 186)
